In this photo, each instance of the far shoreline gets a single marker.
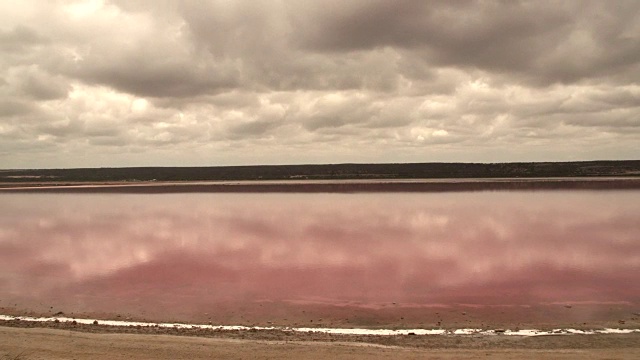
(329, 186)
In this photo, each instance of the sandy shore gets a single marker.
(38, 343)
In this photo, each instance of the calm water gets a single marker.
(360, 259)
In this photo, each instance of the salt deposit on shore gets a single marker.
(335, 331)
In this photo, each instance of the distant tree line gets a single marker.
(331, 171)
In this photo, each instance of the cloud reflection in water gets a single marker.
(190, 250)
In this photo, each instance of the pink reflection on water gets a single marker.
(181, 255)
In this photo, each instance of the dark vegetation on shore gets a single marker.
(630, 168)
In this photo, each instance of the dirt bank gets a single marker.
(38, 343)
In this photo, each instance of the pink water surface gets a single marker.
(363, 259)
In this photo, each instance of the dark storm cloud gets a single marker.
(251, 128)
(19, 38)
(42, 86)
(402, 80)
(258, 35)
(536, 39)
(336, 112)
(158, 79)
(15, 108)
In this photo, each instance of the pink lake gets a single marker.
(365, 259)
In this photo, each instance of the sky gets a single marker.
(103, 83)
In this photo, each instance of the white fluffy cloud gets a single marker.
(118, 83)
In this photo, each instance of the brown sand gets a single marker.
(39, 343)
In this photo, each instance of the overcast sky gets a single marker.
(154, 82)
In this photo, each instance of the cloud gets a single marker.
(540, 41)
(36, 84)
(342, 81)
(13, 107)
(20, 38)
